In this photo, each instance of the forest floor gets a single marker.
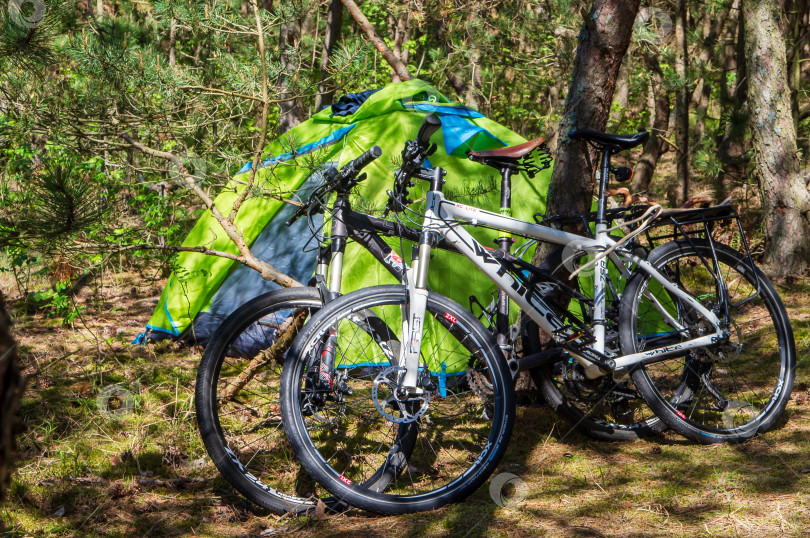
(83, 471)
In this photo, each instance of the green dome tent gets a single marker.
(204, 289)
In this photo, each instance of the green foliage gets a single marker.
(75, 80)
(705, 160)
(27, 31)
(58, 303)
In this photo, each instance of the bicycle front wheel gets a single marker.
(732, 389)
(346, 432)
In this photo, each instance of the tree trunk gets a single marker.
(785, 198)
(713, 25)
(796, 12)
(731, 149)
(656, 145)
(292, 109)
(680, 193)
(458, 84)
(603, 43)
(11, 385)
(334, 22)
(622, 98)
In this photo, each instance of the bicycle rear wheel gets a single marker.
(345, 433)
(733, 389)
(237, 400)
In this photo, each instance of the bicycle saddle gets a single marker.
(511, 152)
(605, 139)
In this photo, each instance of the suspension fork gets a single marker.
(414, 322)
(338, 235)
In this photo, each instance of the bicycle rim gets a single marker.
(731, 390)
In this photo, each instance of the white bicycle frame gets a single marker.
(446, 219)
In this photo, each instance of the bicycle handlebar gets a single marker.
(431, 124)
(337, 180)
(413, 155)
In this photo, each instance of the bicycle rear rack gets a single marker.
(671, 224)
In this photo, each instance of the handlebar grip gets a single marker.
(297, 215)
(351, 170)
(431, 124)
(365, 159)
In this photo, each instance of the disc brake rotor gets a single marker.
(384, 395)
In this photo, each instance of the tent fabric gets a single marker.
(203, 289)
(349, 103)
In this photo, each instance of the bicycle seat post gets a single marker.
(600, 275)
(604, 178)
(504, 244)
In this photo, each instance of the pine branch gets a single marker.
(245, 257)
(263, 122)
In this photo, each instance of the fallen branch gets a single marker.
(284, 337)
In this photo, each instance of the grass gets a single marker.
(83, 471)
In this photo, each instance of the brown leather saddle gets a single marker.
(508, 153)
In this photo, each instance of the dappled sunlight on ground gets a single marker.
(136, 466)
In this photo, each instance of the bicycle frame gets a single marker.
(367, 231)
(444, 219)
